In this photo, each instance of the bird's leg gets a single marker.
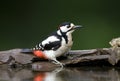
(57, 62)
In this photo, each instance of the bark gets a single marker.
(17, 58)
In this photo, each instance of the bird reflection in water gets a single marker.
(48, 76)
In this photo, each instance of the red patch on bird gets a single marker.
(39, 54)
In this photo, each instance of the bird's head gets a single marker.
(68, 27)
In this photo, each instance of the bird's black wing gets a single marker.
(52, 42)
(52, 45)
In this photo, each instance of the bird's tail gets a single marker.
(27, 51)
(37, 53)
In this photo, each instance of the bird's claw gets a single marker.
(59, 63)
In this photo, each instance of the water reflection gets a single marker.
(66, 74)
(49, 76)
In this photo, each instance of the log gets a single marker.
(16, 58)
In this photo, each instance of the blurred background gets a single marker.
(24, 23)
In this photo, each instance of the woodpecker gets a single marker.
(57, 43)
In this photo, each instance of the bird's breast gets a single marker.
(70, 41)
(65, 47)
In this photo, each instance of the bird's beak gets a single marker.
(77, 26)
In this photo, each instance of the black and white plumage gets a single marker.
(58, 43)
(52, 42)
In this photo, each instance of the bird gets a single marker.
(57, 43)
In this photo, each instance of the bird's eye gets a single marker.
(68, 26)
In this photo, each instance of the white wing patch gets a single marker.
(50, 39)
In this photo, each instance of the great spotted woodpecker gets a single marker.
(57, 44)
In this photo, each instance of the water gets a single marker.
(65, 74)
